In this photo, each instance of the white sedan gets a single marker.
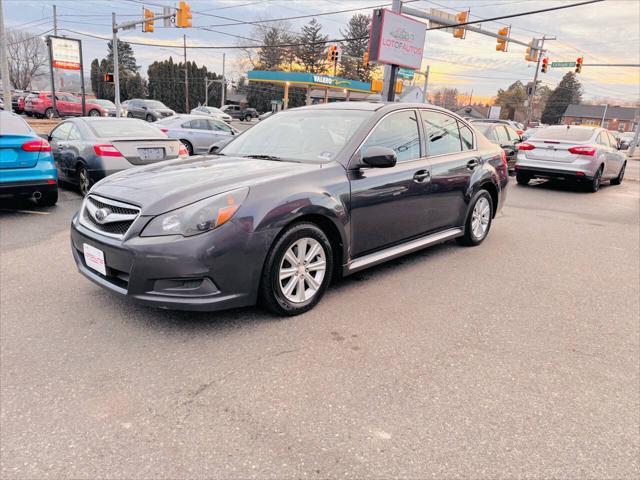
(212, 112)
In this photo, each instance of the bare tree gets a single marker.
(27, 58)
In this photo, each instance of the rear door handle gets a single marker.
(421, 176)
(471, 164)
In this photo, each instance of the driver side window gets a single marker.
(399, 132)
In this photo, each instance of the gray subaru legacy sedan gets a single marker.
(302, 197)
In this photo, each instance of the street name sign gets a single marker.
(563, 64)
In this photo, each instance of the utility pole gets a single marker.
(4, 61)
(55, 21)
(391, 71)
(426, 85)
(116, 66)
(224, 82)
(207, 83)
(604, 114)
(535, 81)
(186, 76)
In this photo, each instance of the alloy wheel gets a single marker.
(84, 182)
(302, 270)
(480, 218)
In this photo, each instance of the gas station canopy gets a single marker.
(309, 80)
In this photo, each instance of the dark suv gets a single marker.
(243, 113)
(149, 110)
(298, 199)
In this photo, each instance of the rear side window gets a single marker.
(501, 134)
(61, 132)
(565, 133)
(466, 136)
(13, 124)
(74, 133)
(399, 132)
(442, 132)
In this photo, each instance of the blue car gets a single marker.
(26, 163)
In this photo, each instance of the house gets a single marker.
(473, 111)
(620, 119)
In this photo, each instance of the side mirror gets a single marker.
(379, 157)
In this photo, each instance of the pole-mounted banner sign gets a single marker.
(65, 53)
(396, 39)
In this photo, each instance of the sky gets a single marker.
(605, 32)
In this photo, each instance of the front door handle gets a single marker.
(471, 164)
(421, 176)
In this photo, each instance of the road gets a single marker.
(517, 358)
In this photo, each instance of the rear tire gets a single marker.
(293, 281)
(188, 146)
(84, 182)
(49, 199)
(594, 186)
(618, 179)
(247, 117)
(129, 115)
(522, 179)
(478, 223)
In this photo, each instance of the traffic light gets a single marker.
(376, 85)
(147, 26)
(332, 53)
(183, 15)
(108, 77)
(579, 64)
(502, 42)
(462, 17)
(399, 85)
(365, 59)
(532, 51)
(545, 65)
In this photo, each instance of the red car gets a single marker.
(67, 105)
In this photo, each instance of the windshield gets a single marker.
(302, 135)
(484, 128)
(123, 128)
(155, 104)
(214, 110)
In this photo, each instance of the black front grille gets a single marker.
(114, 228)
(114, 209)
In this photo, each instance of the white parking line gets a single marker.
(24, 211)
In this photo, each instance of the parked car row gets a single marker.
(40, 105)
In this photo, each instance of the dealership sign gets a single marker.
(65, 53)
(396, 39)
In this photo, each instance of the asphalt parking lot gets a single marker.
(517, 358)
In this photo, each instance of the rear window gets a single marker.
(563, 133)
(124, 128)
(12, 124)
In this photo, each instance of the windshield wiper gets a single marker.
(263, 157)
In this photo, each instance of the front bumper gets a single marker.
(213, 271)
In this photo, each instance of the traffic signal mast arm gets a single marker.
(142, 21)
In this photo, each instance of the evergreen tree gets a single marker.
(352, 63)
(126, 59)
(311, 51)
(273, 57)
(568, 91)
(95, 78)
(511, 99)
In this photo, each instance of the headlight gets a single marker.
(198, 217)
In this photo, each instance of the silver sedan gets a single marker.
(197, 133)
(212, 112)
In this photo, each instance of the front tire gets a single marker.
(248, 117)
(297, 270)
(48, 113)
(478, 221)
(618, 179)
(149, 118)
(94, 113)
(129, 115)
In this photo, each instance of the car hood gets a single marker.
(164, 186)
